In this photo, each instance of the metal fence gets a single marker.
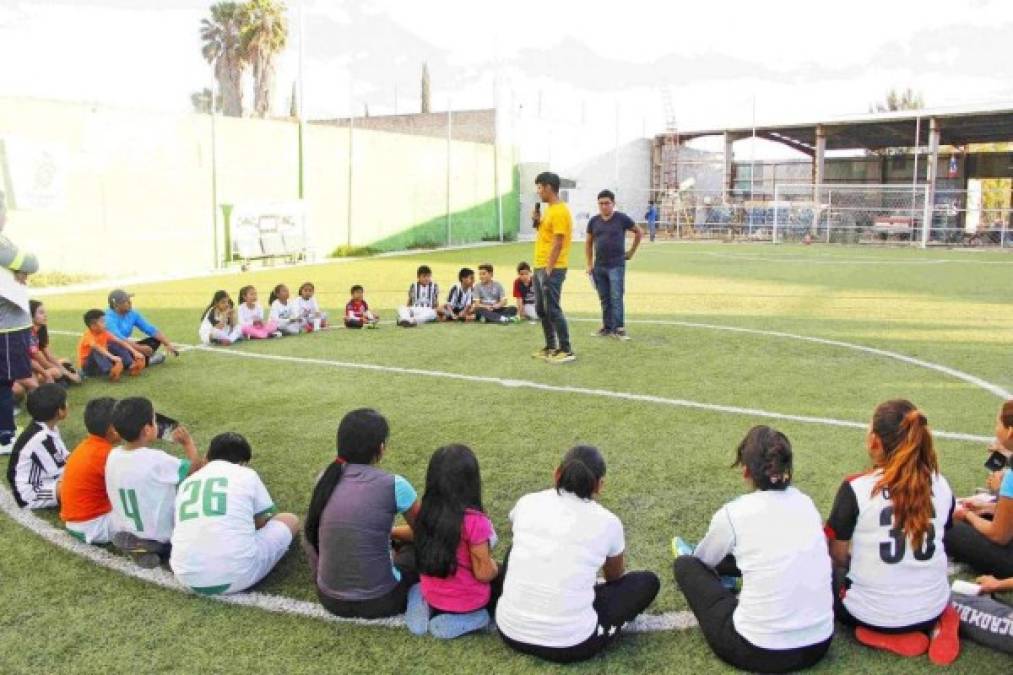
(842, 214)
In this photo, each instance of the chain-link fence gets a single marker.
(842, 214)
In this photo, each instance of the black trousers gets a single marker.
(842, 614)
(495, 315)
(615, 602)
(393, 603)
(966, 544)
(149, 342)
(713, 605)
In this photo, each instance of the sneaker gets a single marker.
(405, 323)
(156, 358)
(620, 334)
(8, 447)
(944, 645)
(902, 644)
(276, 334)
(543, 353)
(559, 356)
(681, 547)
(144, 552)
(601, 332)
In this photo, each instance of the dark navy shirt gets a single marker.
(610, 238)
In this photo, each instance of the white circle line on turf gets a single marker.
(646, 398)
(830, 260)
(275, 604)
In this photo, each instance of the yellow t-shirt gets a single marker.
(555, 220)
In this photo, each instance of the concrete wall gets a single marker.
(629, 178)
(104, 191)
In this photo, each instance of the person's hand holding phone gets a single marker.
(181, 436)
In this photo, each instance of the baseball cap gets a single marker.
(118, 296)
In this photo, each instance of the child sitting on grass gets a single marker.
(490, 298)
(84, 504)
(228, 533)
(39, 455)
(219, 324)
(62, 369)
(251, 316)
(284, 312)
(423, 299)
(453, 549)
(459, 305)
(141, 482)
(524, 293)
(308, 310)
(357, 312)
(100, 353)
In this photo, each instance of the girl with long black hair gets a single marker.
(349, 525)
(219, 324)
(453, 549)
(552, 606)
(772, 537)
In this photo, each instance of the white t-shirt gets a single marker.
(560, 542)
(307, 309)
(283, 313)
(214, 542)
(777, 539)
(247, 315)
(892, 585)
(141, 485)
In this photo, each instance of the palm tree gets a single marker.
(264, 34)
(223, 49)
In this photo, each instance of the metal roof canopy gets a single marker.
(879, 130)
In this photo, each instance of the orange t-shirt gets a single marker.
(83, 488)
(89, 340)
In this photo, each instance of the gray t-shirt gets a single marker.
(490, 293)
(610, 238)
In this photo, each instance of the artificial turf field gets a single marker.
(667, 456)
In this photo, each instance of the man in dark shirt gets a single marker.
(605, 250)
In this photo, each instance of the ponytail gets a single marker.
(580, 472)
(908, 465)
(321, 495)
(42, 332)
(274, 294)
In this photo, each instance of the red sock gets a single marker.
(944, 647)
(903, 644)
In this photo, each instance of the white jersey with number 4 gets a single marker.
(141, 485)
(892, 583)
(214, 540)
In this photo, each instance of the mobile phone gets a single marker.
(996, 461)
(165, 425)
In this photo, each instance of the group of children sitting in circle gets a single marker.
(766, 582)
(224, 323)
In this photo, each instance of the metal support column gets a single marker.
(931, 170)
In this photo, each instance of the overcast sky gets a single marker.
(575, 63)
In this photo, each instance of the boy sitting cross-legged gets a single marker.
(459, 306)
(228, 533)
(39, 455)
(141, 482)
(99, 352)
(423, 299)
(490, 299)
(84, 504)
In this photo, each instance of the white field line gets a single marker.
(644, 398)
(795, 258)
(271, 603)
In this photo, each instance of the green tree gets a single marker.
(222, 48)
(907, 99)
(201, 101)
(264, 35)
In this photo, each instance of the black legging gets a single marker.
(714, 605)
(153, 344)
(616, 602)
(966, 544)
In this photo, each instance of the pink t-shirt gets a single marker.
(462, 592)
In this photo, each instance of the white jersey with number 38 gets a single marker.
(893, 584)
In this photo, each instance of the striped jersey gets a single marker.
(459, 298)
(423, 295)
(37, 462)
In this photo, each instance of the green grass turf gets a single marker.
(667, 465)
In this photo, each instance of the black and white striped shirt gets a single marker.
(37, 462)
(423, 296)
(459, 298)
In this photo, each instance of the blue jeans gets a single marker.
(610, 282)
(548, 290)
(652, 228)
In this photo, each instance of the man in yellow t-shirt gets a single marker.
(552, 256)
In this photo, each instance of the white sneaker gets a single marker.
(8, 448)
(620, 334)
